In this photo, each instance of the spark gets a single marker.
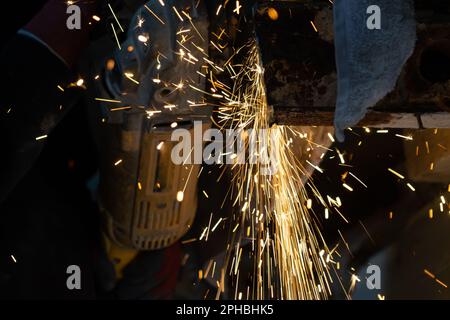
(273, 14)
(108, 100)
(130, 77)
(178, 14)
(209, 227)
(110, 64)
(432, 276)
(341, 215)
(142, 38)
(404, 137)
(192, 24)
(41, 137)
(218, 10)
(188, 241)
(154, 14)
(150, 113)
(314, 166)
(441, 283)
(170, 107)
(367, 232)
(238, 7)
(203, 233)
(341, 156)
(115, 17)
(115, 36)
(396, 173)
(346, 186)
(216, 225)
(120, 108)
(357, 179)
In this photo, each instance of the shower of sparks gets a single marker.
(290, 257)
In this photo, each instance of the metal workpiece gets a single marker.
(296, 42)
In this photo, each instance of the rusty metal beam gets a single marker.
(300, 71)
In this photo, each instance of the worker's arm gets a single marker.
(34, 64)
(49, 26)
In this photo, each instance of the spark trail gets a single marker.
(290, 257)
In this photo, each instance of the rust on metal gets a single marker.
(300, 73)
